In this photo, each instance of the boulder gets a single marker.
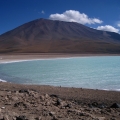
(21, 118)
(23, 91)
(115, 105)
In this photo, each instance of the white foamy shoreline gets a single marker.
(14, 61)
(2, 80)
(30, 57)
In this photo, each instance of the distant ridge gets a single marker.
(52, 36)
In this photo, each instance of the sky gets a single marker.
(97, 14)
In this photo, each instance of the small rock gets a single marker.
(42, 97)
(103, 111)
(21, 118)
(1, 117)
(14, 98)
(112, 119)
(23, 91)
(69, 105)
(95, 104)
(19, 104)
(9, 92)
(8, 103)
(109, 110)
(31, 118)
(46, 96)
(52, 113)
(90, 106)
(115, 105)
(13, 118)
(47, 103)
(39, 118)
(59, 101)
(101, 118)
(15, 114)
(53, 95)
(102, 106)
(6, 98)
(3, 107)
(6, 117)
(16, 92)
(45, 112)
(55, 118)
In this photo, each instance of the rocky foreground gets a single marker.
(30, 102)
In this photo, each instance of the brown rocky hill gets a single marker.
(48, 36)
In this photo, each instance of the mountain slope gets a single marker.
(50, 36)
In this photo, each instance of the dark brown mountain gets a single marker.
(48, 36)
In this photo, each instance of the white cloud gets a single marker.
(74, 16)
(108, 28)
(43, 12)
(118, 24)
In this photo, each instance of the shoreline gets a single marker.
(9, 58)
(109, 90)
(67, 92)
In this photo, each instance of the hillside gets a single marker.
(48, 36)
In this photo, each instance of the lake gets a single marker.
(102, 72)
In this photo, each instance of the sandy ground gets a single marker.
(22, 57)
(35, 102)
(37, 56)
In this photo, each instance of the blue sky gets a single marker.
(98, 14)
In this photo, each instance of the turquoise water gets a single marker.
(86, 72)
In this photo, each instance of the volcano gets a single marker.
(53, 36)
